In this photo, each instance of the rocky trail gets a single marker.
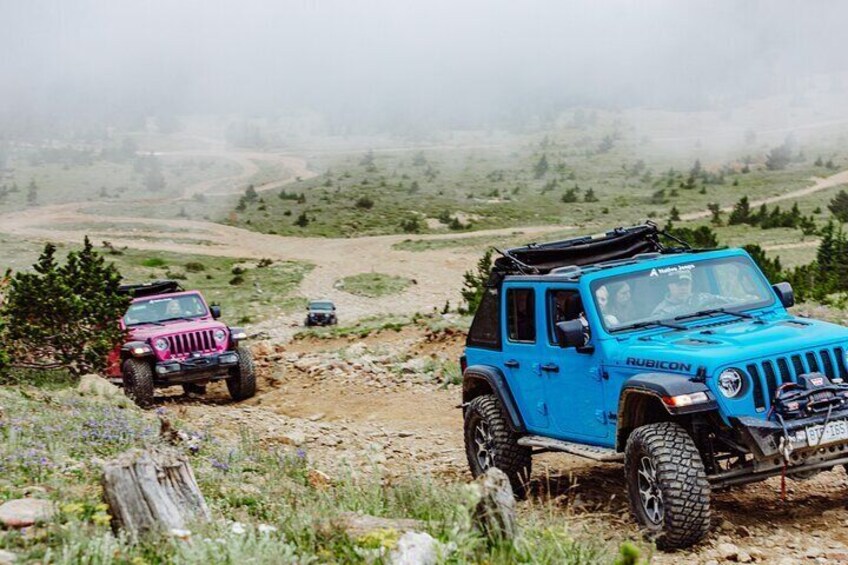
(385, 404)
(378, 406)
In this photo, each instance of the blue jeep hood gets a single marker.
(733, 343)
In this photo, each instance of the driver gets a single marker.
(681, 300)
(173, 308)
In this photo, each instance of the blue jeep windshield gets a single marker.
(321, 306)
(157, 310)
(679, 292)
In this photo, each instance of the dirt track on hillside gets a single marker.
(818, 185)
(351, 418)
(360, 421)
(437, 273)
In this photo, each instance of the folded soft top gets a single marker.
(615, 245)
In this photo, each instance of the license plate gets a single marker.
(836, 431)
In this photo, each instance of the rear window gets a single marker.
(485, 330)
(521, 315)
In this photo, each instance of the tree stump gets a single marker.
(152, 490)
(495, 512)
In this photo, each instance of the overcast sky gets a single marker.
(478, 60)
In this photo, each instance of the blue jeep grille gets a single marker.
(767, 376)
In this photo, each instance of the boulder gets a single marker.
(728, 551)
(416, 548)
(95, 385)
(359, 525)
(7, 557)
(24, 512)
(495, 511)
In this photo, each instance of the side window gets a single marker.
(521, 315)
(563, 305)
(485, 330)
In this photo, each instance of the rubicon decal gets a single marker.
(663, 365)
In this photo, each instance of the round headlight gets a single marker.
(161, 344)
(730, 383)
(220, 335)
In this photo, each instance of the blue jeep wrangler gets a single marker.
(683, 364)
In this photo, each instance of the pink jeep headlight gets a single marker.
(161, 344)
(220, 335)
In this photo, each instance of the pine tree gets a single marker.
(825, 259)
(741, 213)
(839, 206)
(65, 315)
(569, 196)
(771, 268)
(302, 220)
(32, 193)
(715, 210)
(590, 196)
(541, 167)
(474, 282)
(674, 214)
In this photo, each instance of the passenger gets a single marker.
(622, 306)
(602, 296)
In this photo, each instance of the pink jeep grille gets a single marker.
(192, 342)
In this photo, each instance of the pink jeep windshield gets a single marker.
(157, 310)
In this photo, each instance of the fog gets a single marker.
(375, 66)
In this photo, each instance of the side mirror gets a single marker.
(785, 294)
(215, 311)
(571, 334)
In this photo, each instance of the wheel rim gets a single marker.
(649, 491)
(483, 442)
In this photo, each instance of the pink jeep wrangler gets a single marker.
(174, 338)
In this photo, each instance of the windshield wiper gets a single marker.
(187, 319)
(651, 323)
(711, 311)
(148, 322)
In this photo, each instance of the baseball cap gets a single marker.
(681, 276)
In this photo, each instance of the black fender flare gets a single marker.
(476, 377)
(654, 387)
(127, 350)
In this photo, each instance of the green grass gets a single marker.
(496, 187)
(434, 323)
(264, 292)
(54, 441)
(373, 285)
(246, 292)
(61, 183)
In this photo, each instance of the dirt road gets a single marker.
(353, 410)
(818, 185)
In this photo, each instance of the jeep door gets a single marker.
(574, 384)
(520, 356)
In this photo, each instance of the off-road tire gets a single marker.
(242, 380)
(679, 479)
(194, 388)
(138, 381)
(513, 459)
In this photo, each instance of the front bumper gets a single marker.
(770, 442)
(764, 437)
(193, 369)
(320, 320)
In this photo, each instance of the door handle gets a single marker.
(512, 364)
(550, 368)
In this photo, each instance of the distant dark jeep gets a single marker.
(174, 338)
(321, 313)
